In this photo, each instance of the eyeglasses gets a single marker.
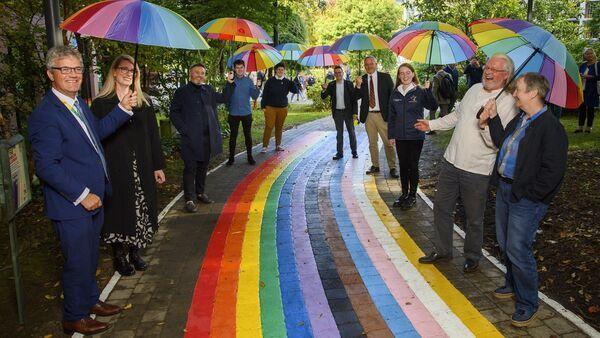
(69, 70)
(125, 70)
(493, 70)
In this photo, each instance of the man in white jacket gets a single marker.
(468, 163)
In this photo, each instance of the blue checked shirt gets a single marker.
(510, 148)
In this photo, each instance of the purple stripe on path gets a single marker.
(321, 319)
(420, 317)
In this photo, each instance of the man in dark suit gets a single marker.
(193, 112)
(69, 160)
(375, 91)
(343, 108)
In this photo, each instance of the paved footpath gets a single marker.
(304, 246)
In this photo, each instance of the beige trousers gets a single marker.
(375, 125)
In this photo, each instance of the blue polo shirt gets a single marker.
(239, 103)
(510, 147)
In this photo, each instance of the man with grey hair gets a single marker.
(375, 95)
(65, 142)
(468, 162)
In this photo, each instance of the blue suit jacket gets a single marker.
(65, 159)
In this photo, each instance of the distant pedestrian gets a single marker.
(529, 170)
(275, 105)
(240, 111)
(407, 105)
(473, 71)
(590, 74)
(443, 91)
(193, 112)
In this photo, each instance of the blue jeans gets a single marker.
(516, 227)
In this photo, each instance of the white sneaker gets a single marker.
(279, 148)
(264, 150)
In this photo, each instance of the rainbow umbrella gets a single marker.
(290, 51)
(432, 42)
(321, 56)
(234, 29)
(533, 49)
(135, 21)
(358, 42)
(256, 56)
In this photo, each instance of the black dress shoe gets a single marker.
(398, 203)
(434, 257)
(409, 202)
(470, 266)
(393, 173)
(251, 160)
(136, 260)
(354, 155)
(230, 161)
(338, 157)
(203, 198)
(373, 170)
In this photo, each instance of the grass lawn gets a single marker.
(297, 114)
(581, 141)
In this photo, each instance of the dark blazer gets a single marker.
(541, 160)
(65, 159)
(351, 95)
(138, 137)
(406, 110)
(193, 112)
(385, 87)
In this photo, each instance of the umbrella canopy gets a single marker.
(321, 56)
(432, 42)
(256, 56)
(290, 51)
(533, 49)
(135, 21)
(359, 41)
(234, 29)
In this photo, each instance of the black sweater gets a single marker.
(541, 159)
(276, 91)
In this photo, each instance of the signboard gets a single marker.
(15, 190)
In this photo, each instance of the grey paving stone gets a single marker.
(154, 315)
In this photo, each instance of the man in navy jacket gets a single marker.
(65, 140)
(193, 112)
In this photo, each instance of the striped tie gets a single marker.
(79, 112)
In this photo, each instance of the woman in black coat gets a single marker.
(407, 104)
(135, 161)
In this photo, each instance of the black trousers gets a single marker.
(340, 117)
(586, 112)
(409, 153)
(234, 125)
(194, 178)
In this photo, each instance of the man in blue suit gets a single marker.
(69, 160)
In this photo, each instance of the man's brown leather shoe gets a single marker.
(104, 309)
(85, 326)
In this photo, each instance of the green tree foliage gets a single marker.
(382, 18)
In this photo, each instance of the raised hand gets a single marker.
(129, 101)
(358, 82)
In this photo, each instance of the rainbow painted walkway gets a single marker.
(305, 245)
